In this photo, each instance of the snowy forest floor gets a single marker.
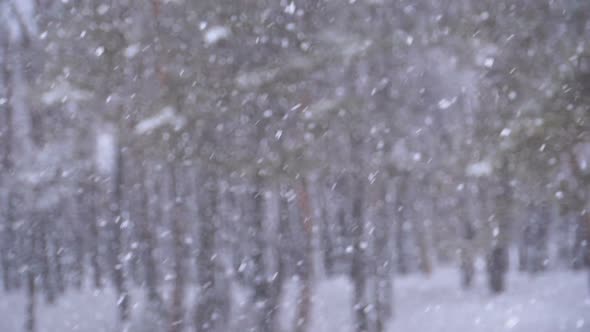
(550, 302)
(554, 301)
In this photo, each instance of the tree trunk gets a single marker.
(425, 263)
(88, 200)
(58, 264)
(580, 243)
(383, 260)
(79, 264)
(262, 289)
(467, 231)
(177, 306)
(401, 253)
(420, 234)
(588, 249)
(148, 242)
(497, 258)
(497, 263)
(359, 259)
(523, 250)
(45, 269)
(9, 275)
(206, 307)
(32, 269)
(6, 139)
(587, 253)
(282, 250)
(213, 302)
(304, 298)
(116, 244)
(31, 320)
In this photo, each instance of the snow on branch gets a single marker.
(479, 169)
(257, 78)
(166, 117)
(339, 47)
(63, 91)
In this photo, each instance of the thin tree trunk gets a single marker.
(305, 292)
(88, 200)
(116, 245)
(497, 259)
(580, 243)
(383, 259)
(206, 269)
(78, 266)
(400, 225)
(10, 279)
(523, 248)
(425, 264)
(45, 270)
(262, 287)
(148, 242)
(420, 235)
(58, 272)
(587, 218)
(466, 253)
(9, 274)
(539, 251)
(212, 307)
(31, 320)
(31, 273)
(467, 246)
(177, 307)
(359, 260)
(278, 279)
(563, 228)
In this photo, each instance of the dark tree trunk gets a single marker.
(401, 254)
(58, 271)
(31, 274)
(88, 201)
(80, 251)
(9, 275)
(497, 258)
(277, 281)
(7, 254)
(212, 307)
(148, 242)
(329, 229)
(540, 255)
(587, 218)
(305, 292)
(383, 261)
(580, 243)
(400, 245)
(31, 320)
(523, 252)
(118, 268)
(206, 226)
(359, 260)
(177, 307)
(564, 250)
(533, 251)
(467, 261)
(262, 289)
(497, 264)
(587, 251)
(45, 268)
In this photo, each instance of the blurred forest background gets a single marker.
(176, 145)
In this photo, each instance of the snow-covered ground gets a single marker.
(551, 302)
(555, 301)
